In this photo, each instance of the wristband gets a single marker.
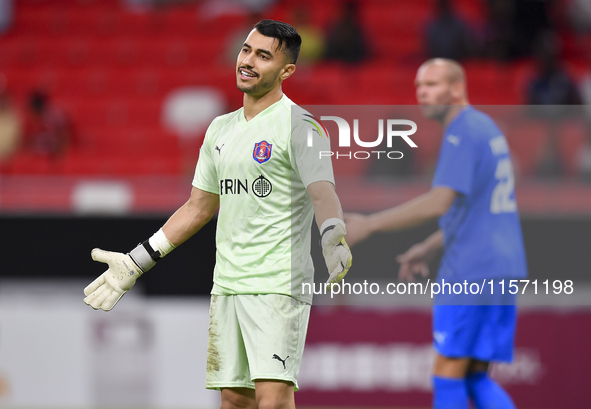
(328, 225)
(160, 243)
(146, 254)
(142, 257)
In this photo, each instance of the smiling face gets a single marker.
(438, 87)
(260, 66)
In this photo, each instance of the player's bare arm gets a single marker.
(426, 207)
(124, 269)
(329, 216)
(191, 216)
(325, 200)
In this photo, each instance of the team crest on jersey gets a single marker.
(262, 151)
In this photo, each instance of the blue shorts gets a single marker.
(482, 332)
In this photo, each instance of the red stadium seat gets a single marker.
(28, 164)
(110, 69)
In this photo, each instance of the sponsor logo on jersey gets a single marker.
(262, 151)
(439, 337)
(454, 140)
(499, 145)
(233, 186)
(261, 187)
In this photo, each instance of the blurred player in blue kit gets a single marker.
(473, 197)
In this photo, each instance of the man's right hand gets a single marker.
(104, 292)
(414, 261)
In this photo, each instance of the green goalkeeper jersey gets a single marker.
(261, 169)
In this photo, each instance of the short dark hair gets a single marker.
(287, 37)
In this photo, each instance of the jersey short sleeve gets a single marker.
(310, 150)
(206, 174)
(456, 165)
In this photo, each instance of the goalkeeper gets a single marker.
(256, 166)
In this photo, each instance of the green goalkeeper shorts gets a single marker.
(255, 336)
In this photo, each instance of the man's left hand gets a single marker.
(337, 254)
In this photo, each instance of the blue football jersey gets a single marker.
(482, 232)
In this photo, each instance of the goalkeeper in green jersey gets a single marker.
(258, 165)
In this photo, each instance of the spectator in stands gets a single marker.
(579, 15)
(47, 130)
(447, 35)
(138, 6)
(552, 85)
(10, 127)
(312, 38)
(499, 31)
(585, 85)
(553, 88)
(346, 40)
(146, 6)
(236, 38)
(512, 25)
(6, 15)
(215, 8)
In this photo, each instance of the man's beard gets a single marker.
(260, 88)
(436, 112)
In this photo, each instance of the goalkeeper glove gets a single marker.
(337, 254)
(124, 269)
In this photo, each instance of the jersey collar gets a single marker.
(461, 113)
(244, 123)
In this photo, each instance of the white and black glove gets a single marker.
(124, 269)
(335, 249)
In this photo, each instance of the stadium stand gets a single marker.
(110, 69)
